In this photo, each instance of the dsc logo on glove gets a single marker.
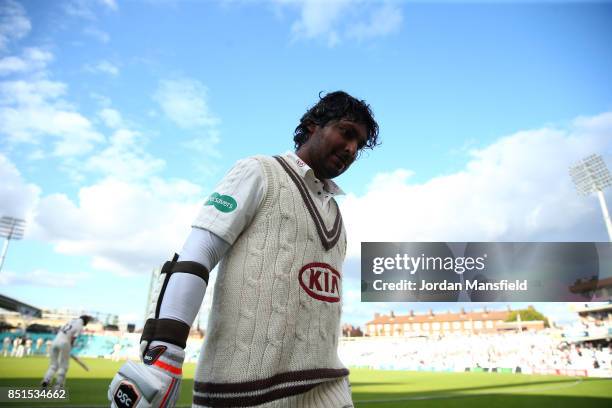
(126, 396)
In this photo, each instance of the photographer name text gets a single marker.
(407, 285)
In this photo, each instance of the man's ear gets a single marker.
(311, 128)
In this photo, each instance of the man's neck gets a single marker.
(301, 153)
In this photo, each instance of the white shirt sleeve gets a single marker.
(203, 247)
(234, 201)
(224, 215)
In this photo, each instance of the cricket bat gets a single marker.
(79, 362)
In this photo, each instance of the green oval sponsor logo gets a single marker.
(223, 203)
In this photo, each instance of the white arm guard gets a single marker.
(180, 289)
(171, 331)
(202, 247)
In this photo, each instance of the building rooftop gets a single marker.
(432, 316)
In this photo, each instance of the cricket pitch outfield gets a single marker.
(371, 388)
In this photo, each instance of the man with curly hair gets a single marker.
(275, 227)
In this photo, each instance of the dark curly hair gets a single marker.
(336, 106)
(86, 319)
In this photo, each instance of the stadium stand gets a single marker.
(580, 350)
(524, 352)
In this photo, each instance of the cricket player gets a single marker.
(28, 346)
(60, 351)
(39, 344)
(275, 227)
(6, 344)
(20, 347)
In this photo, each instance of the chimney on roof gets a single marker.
(509, 308)
(463, 310)
(411, 313)
(431, 313)
(486, 310)
(376, 315)
(392, 313)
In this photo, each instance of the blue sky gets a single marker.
(118, 118)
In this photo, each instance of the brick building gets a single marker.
(486, 321)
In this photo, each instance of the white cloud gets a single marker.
(80, 9)
(36, 154)
(111, 117)
(383, 21)
(98, 34)
(205, 144)
(42, 277)
(17, 197)
(516, 189)
(21, 93)
(184, 101)
(103, 67)
(338, 20)
(320, 18)
(102, 100)
(599, 124)
(124, 158)
(11, 64)
(126, 227)
(14, 22)
(111, 4)
(32, 59)
(85, 8)
(32, 111)
(127, 223)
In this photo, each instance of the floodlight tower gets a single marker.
(10, 228)
(591, 175)
(152, 283)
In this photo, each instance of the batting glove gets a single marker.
(151, 384)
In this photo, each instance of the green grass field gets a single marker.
(386, 389)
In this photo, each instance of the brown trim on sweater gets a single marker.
(250, 392)
(290, 376)
(329, 238)
(249, 401)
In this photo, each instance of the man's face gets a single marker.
(331, 149)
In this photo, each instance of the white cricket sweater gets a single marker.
(275, 320)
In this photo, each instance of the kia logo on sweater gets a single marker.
(320, 281)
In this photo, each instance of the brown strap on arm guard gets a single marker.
(170, 330)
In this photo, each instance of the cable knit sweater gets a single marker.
(273, 329)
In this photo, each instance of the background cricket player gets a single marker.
(273, 331)
(6, 344)
(60, 352)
